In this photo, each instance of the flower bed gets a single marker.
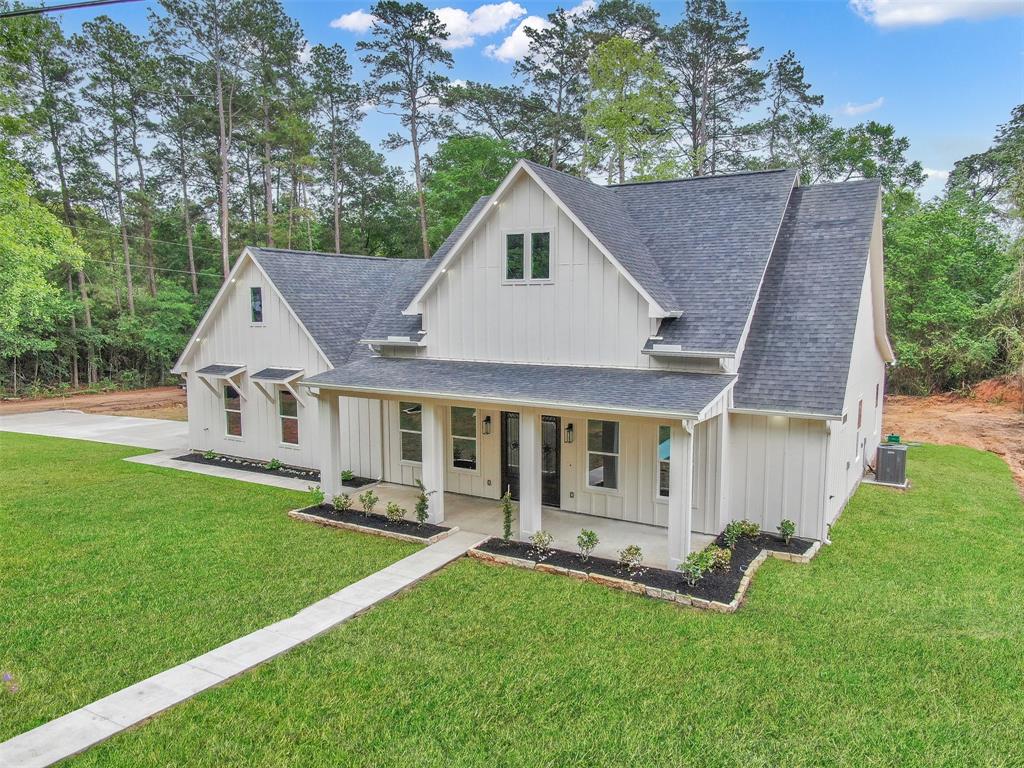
(720, 589)
(247, 465)
(358, 482)
(408, 530)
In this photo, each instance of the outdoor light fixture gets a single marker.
(568, 432)
(487, 425)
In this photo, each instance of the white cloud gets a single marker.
(905, 13)
(517, 45)
(357, 21)
(463, 28)
(305, 53)
(937, 175)
(852, 109)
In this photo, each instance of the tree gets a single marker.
(996, 175)
(709, 57)
(790, 105)
(403, 54)
(337, 99)
(507, 113)
(629, 108)
(463, 169)
(630, 19)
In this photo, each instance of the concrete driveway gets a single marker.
(158, 434)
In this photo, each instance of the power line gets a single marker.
(63, 7)
(117, 234)
(158, 269)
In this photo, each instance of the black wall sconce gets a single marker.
(568, 432)
(487, 425)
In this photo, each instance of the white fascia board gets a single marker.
(790, 414)
(654, 308)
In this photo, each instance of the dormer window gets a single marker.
(528, 256)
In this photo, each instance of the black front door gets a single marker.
(550, 457)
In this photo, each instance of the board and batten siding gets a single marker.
(587, 313)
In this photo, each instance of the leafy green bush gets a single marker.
(542, 541)
(316, 495)
(342, 502)
(422, 503)
(720, 556)
(696, 565)
(394, 512)
(630, 557)
(506, 514)
(750, 529)
(273, 464)
(210, 455)
(739, 528)
(787, 528)
(586, 542)
(368, 500)
(347, 476)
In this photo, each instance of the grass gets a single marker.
(112, 571)
(901, 645)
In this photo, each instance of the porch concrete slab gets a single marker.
(79, 730)
(159, 434)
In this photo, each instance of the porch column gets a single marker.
(723, 469)
(434, 459)
(329, 437)
(529, 474)
(680, 493)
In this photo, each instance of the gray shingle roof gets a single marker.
(334, 295)
(276, 374)
(653, 391)
(220, 369)
(798, 353)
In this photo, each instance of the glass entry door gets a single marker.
(550, 457)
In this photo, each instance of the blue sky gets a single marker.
(944, 72)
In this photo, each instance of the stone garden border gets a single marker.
(298, 514)
(667, 595)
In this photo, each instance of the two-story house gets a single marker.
(675, 354)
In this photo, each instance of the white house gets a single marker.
(676, 354)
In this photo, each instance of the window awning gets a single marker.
(222, 372)
(266, 379)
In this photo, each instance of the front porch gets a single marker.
(472, 513)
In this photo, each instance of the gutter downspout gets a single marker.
(824, 490)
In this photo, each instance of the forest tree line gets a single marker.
(135, 168)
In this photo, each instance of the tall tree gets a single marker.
(633, 20)
(996, 175)
(709, 57)
(507, 113)
(404, 54)
(790, 105)
(629, 109)
(337, 99)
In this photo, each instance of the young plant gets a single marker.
(696, 565)
(732, 533)
(750, 529)
(316, 495)
(394, 512)
(586, 542)
(422, 509)
(720, 556)
(787, 528)
(210, 455)
(342, 502)
(347, 476)
(506, 513)
(273, 464)
(542, 541)
(368, 500)
(630, 557)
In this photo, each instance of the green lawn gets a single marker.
(901, 645)
(112, 571)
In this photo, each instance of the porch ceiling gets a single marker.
(613, 390)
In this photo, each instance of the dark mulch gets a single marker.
(247, 465)
(358, 482)
(381, 523)
(720, 585)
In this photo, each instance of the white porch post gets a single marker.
(434, 459)
(329, 422)
(529, 474)
(723, 468)
(680, 493)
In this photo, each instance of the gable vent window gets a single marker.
(256, 304)
(528, 256)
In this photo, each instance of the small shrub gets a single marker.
(542, 541)
(732, 534)
(750, 529)
(394, 512)
(506, 514)
(368, 500)
(696, 565)
(586, 542)
(348, 476)
(342, 502)
(210, 455)
(273, 464)
(720, 556)
(787, 528)
(630, 557)
(316, 495)
(422, 509)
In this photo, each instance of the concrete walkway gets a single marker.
(160, 434)
(96, 722)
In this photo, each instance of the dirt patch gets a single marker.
(152, 403)
(990, 420)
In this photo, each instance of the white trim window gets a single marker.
(232, 412)
(602, 454)
(664, 455)
(464, 442)
(410, 429)
(288, 414)
(256, 304)
(528, 256)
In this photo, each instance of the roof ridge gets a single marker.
(862, 180)
(731, 175)
(326, 254)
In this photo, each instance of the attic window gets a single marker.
(256, 304)
(528, 256)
